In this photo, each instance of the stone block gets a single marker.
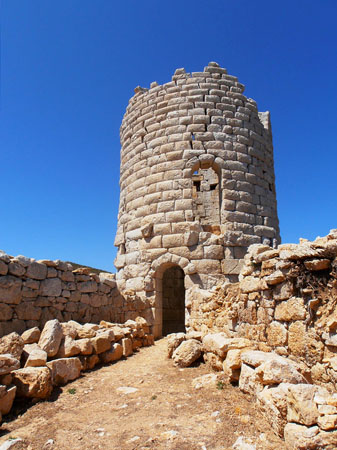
(51, 287)
(12, 344)
(33, 382)
(6, 400)
(51, 337)
(37, 271)
(64, 370)
(277, 334)
(10, 289)
(301, 405)
(292, 309)
(8, 363)
(187, 353)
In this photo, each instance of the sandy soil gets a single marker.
(164, 412)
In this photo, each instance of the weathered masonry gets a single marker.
(197, 186)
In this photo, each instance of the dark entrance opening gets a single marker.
(173, 301)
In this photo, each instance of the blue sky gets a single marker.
(69, 67)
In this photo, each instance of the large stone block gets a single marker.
(51, 287)
(8, 363)
(33, 382)
(13, 344)
(7, 399)
(301, 405)
(51, 337)
(37, 271)
(187, 352)
(10, 289)
(292, 309)
(64, 370)
(273, 402)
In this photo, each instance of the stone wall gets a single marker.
(33, 292)
(285, 302)
(32, 364)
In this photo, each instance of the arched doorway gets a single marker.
(173, 300)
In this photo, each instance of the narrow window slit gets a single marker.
(197, 185)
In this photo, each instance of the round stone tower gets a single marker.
(196, 189)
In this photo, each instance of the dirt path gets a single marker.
(165, 411)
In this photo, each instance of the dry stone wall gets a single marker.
(197, 183)
(33, 292)
(285, 302)
(32, 364)
(274, 334)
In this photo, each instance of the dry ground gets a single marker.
(165, 412)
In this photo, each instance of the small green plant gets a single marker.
(72, 391)
(220, 385)
(153, 397)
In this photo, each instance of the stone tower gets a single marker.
(196, 189)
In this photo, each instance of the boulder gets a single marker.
(85, 346)
(213, 361)
(101, 343)
(173, 342)
(278, 371)
(7, 399)
(187, 352)
(216, 343)
(33, 382)
(37, 358)
(31, 336)
(87, 330)
(70, 328)
(68, 347)
(256, 357)
(273, 403)
(114, 354)
(301, 405)
(51, 337)
(64, 370)
(233, 359)
(13, 344)
(249, 381)
(8, 363)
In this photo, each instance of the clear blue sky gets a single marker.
(69, 67)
